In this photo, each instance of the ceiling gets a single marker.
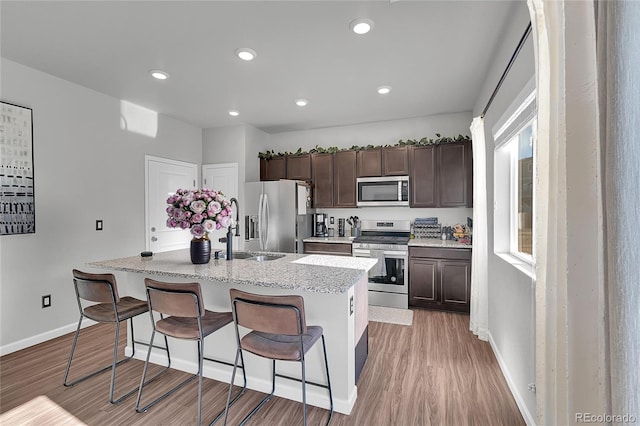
(434, 54)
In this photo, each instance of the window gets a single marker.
(514, 183)
(521, 208)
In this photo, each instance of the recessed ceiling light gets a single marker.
(160, 75)
(301, 102)
(246, 54)
(383, 90)
(361, 25)
(234, 113)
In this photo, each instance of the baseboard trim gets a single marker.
(315, 396)
(526, 414)
(43, 337)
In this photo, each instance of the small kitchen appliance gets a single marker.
(321, 221)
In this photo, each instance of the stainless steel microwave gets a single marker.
(383, 191)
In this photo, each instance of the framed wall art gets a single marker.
(17, 200)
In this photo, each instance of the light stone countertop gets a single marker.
(318, 274)
(335, 240)
(438, 243)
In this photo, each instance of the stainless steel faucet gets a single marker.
(233, 201)
(229, 238)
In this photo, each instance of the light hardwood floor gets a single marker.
(433, 373)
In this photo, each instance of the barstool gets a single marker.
(278, 332)
(187, 319)
(108, 307)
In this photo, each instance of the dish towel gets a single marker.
(380, 268)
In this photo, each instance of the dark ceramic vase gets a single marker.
(200, 250)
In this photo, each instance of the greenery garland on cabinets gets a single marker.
(269, 154)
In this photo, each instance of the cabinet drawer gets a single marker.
(335, 249)
(440, 253)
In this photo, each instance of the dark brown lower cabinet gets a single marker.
(440, 278)
(335, 249)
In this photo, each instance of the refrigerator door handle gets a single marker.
(260, 220)
(265, 213)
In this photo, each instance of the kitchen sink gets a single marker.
(242, 255)
(264, 257)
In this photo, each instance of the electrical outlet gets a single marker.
(99, 225)
(46, 301)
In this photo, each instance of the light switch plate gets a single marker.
(99, 225)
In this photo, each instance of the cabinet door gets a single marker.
(422, 283)
(455, 285)
(322, 171)
(299, 167)
(422, 179)
(335, 249)
(344, 179)
(395, 161)
(454, 171)
(273, 169)
(370, 163)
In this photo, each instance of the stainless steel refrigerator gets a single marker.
(278, 216)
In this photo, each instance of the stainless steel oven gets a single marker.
(386, 241)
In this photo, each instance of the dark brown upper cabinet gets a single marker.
(455, 175)
(441, 176)
(273, 169)
(322, 173)
(423, 177)
(395, 161)
(344, 179)
(299, 167)
(369, 163)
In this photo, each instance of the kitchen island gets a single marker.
(335, 294)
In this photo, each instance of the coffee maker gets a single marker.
(320, 221)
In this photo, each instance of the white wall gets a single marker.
(511, 297)
(86, 168)
(380, 133)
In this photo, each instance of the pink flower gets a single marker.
(197, 231)
(198, 206)
(224, 221)
(184, 224)
(196, 218)
(214, 208)
(209, 225)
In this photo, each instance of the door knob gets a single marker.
(154, 239)
(153, 229)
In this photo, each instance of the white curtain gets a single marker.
(479, 316)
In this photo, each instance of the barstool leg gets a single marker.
(326, 364)
(200, 354)
(233, 376)
(304, 392)
(115, 360)
(69, 362)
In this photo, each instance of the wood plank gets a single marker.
(432, 373)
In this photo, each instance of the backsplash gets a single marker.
(445, 216)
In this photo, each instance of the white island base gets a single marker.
(335, 298)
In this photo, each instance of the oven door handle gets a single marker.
(388, 254)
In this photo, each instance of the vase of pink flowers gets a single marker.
(201, 211)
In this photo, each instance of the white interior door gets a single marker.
(223, 177)
(162, 178)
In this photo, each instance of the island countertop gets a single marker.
(318, 274)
